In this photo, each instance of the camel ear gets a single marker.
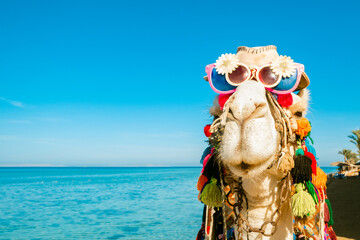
(301, 103)
(215, 109)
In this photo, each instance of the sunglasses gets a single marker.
(228, 82)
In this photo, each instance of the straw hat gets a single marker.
(264, 55)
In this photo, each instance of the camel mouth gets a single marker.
(246, 170)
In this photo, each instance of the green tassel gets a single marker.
(331, 220)
(302, 203)
(211, 194)
(311, 190)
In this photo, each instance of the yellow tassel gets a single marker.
(302, 203)
(211, 194)
(286, 161)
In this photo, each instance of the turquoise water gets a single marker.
(328, 170)
(99, 203)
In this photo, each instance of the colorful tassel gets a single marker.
(211, 194)
(312, 192)
(326, 213)
(320, 179)
(313, 162)
(286, 161)
(310, 148)
(304, 127)
(201, 182)
(299, 151)
(302, 203)
(302, 169)
(331, 219)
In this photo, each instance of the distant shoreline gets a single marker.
(34, 166)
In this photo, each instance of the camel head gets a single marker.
(250, 142)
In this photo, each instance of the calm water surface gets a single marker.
(99, 203)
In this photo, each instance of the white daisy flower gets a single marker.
(226, 63)
(283, 66)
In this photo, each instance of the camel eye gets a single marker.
(298, 114)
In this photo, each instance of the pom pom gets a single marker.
(320, 179)
(313, 162)
(285, 100)
(299, 151)
(302, 169)
(211, 194)
(304, 127)
(222, 99)
(286, 161)
(302, 203)
(201, 182)
(207, 130)
(311, 190)
(331, 219)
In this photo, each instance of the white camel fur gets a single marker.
(249, 146)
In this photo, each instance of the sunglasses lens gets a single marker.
(239, 75)
(267, 76)
(219, 82)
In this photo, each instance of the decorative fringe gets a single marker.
(201, 182)
(332, 233)
(302, 169)
(302, 203)
(311, 190)
(211, 194)
(286, 161)
(320, 179)
(331, 220)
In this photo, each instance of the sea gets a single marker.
(100, 203)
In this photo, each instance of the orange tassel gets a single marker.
(320, 179)
(201, 182)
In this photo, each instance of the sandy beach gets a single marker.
(344, 196)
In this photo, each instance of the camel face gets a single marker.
(250, 141)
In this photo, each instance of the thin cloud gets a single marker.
(12, 102)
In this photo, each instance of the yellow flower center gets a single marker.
(226, 62)
(283, 65)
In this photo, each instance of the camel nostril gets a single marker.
(260, 110)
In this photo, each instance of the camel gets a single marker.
(249, 147)
(253, 133)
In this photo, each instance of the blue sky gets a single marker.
(119, 83)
